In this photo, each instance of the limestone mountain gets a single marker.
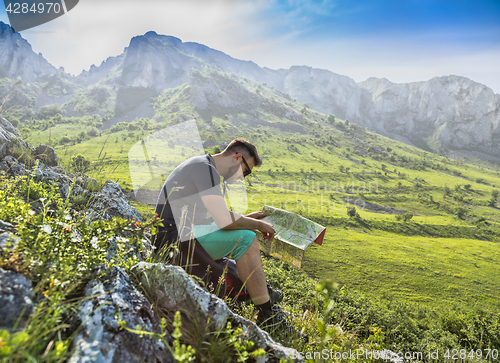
(17, 58)
(440, 114)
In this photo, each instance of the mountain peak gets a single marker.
(5, 29)
(18, 59)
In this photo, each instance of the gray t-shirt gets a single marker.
(180, 199)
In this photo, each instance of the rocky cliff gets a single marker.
(17, 58)
(452, 111)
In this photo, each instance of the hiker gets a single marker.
(194, 213)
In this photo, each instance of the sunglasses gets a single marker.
(248, 171)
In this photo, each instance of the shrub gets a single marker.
(407, 216)
(47, 111)
(65, 139)
(352, 213)
(80, 163)
(93, 132)
(461, 212)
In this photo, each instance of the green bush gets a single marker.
(80, 163)
(48, 111)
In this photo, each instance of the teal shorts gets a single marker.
(221, 243)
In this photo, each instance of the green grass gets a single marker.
(431, 271)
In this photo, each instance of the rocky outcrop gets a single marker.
(17, 58)
(101, 339)
(173, 290)
(47, 155)
(8, 240)
(453, 111)
(11, 143)
(16, 300)
(111, 202)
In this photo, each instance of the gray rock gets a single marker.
(172, 289)
(8, 126)
(15, 299)
(47, 155)
(100, 338)
(10, 143)
(7, 239)
(111, 202)
(10, 165)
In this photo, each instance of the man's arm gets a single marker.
(224, 219)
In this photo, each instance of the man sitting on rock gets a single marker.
(192, 208)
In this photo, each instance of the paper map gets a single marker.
(294, 234)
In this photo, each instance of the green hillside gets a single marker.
(413, 237)
(319, 166)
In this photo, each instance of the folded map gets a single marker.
(294, 234)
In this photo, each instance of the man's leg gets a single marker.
(250, 270)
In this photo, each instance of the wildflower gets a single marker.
(137, 224)
(67, 217)
(31, 212)
(43, 199)
(94, 241)
(75, 237)
(46, 228)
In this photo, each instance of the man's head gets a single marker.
(244, 157)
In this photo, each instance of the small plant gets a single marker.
(80, 163)
(461, 212)
(352, 213)
(447, 190)
(327, 331)
(407, 216)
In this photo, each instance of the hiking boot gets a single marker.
(275, 295)
(276, 320)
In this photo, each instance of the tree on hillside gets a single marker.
(352, 213)
(47, 111)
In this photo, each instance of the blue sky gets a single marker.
(403, 41)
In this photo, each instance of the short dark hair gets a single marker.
(245, 147)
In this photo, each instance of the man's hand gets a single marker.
(256, 215)
(267, 230)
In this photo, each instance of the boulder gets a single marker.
(9, 127)
(100, 338)
(12, 166)
(16, 296)
(47, 155)
(7, 239)
(111, 202)
(172, 289)
(11, 143)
